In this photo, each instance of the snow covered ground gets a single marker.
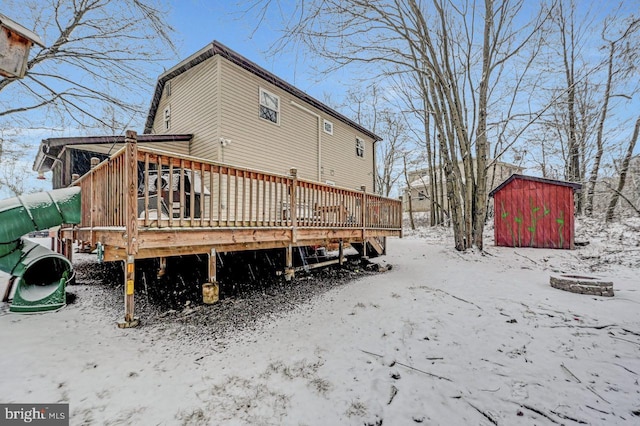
(443, 338)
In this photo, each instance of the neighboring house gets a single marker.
(420, 189)
(219, 106)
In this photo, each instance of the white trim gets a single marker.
(308, 111)
(360, 145)
(272, 97)
(167, 117)
(330, 125)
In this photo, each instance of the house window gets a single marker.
(269, 106)
(359, 147)
(167, 118)
(167, 88)
(328, 127)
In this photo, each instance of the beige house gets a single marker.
(219, 106)
(241, 114)
(420, 189)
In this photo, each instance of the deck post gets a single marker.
(364, 220)
(341, 253)
(210, 289)
(289, 271)
(131, 209)
(162, 268)
(212, 267)
(68, 249)
(293, 204)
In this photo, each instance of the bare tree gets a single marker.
(97, 54)
(12, 170)
(583, 83)
(614, 74)
(623, 174)
(394, 141)
(412, 103)
(458, 54)
(407, 181)
(568, 41)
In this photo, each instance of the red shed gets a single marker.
(534, 212)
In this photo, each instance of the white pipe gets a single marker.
(319, 136)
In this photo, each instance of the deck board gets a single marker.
(162, 242)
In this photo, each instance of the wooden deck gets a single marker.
(144, 203)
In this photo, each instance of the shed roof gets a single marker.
(575, 186)
(50, 148)
(217, 48)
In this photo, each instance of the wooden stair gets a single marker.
(375, 247)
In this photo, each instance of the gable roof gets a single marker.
(49, 149)
(575, 186)
(217, 48)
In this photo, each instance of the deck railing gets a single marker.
(176, 191)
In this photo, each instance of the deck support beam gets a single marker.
(131, 208)
(212, 267)
(129, 279)
(289, 271)
(211, 289)
(341, 253)
(68, 249)
(162, 268)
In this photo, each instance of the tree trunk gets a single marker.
(409, 189)
(481, 132)
(593, 177)
(573, 161)
(430, 165)
(623, 173)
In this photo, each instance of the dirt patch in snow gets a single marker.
(173, 304)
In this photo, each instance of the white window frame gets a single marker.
(269, 107)
(328, 123)
(167, 88)
(167, 117)
(360, 147)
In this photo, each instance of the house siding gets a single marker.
(218, 99)
(193, 103)
(260, 144)
(341, 164)
(175, 147)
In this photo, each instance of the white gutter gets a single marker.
(319, 136)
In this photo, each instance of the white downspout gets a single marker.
(319, 136)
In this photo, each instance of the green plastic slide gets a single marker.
(39, 275)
